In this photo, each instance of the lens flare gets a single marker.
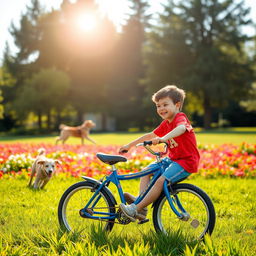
(86, 22)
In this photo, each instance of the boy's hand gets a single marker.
(156, 140)
(124, 149)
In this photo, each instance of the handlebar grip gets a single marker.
(149, 142)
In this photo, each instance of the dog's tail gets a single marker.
(41, 151)
(62, 126)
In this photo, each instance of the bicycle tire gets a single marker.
(74, 199)
(196, 202)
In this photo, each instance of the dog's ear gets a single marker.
(41, 162)
(58, 162)
(89, 123)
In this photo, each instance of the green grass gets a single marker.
(29, 225)
(231, 135)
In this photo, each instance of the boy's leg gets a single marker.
(174, 172)
(143, 185)
(132, 210)
(152, 195)
(130, 198)
(144, 182)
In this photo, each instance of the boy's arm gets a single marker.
(177, 131)
(147, 136)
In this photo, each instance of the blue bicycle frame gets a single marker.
(157, 169)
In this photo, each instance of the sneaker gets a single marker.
(129, 211)
(142, 214)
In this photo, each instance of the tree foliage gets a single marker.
(250, 103)
(197, 44)
(201, 43)
(129, 69)
(44, 91)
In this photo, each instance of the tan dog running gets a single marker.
(81, 131)
(43, 168)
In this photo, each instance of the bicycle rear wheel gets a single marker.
(198, 205)
(74, 199)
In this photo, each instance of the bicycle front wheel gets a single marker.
(200, 213)
(74, 199)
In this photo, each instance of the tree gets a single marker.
(6, 81)
(89, 56)
(250, 103)
(52, 39)
(21, 65)
(1, 98)
(44, 91)
(206, 43)
(166, 52)
(126, 87)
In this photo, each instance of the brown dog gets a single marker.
(43, 168)
(81, 131)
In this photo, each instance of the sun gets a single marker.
(86, 22)
(115, 10)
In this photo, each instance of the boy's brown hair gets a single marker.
(173, 92)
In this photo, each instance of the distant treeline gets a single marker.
(60, 72)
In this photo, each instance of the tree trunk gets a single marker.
(49, 120)
(207, 113)
(39, 121)
(58, 120)
(80, 117)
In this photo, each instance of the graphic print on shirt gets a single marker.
(173, 143)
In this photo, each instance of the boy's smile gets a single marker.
(167, 109)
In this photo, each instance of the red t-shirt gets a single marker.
(185, 151)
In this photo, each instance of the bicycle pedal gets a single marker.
(143, 221)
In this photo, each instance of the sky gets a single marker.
(11, 11)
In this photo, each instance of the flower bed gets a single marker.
(224, 160)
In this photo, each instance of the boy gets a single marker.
(183, 152)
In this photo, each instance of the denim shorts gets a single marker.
(173, 171)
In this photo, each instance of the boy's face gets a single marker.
(167, 109)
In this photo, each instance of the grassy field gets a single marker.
(29, 226)
(232, 135)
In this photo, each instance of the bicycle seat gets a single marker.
(110, 159)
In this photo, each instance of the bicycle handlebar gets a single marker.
(148, 143)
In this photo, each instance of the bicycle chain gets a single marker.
(122, 219)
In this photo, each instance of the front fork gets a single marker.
(175, 203)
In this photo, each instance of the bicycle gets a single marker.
(181, 206)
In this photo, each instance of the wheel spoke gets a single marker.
(193, 202)
(75, 199)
